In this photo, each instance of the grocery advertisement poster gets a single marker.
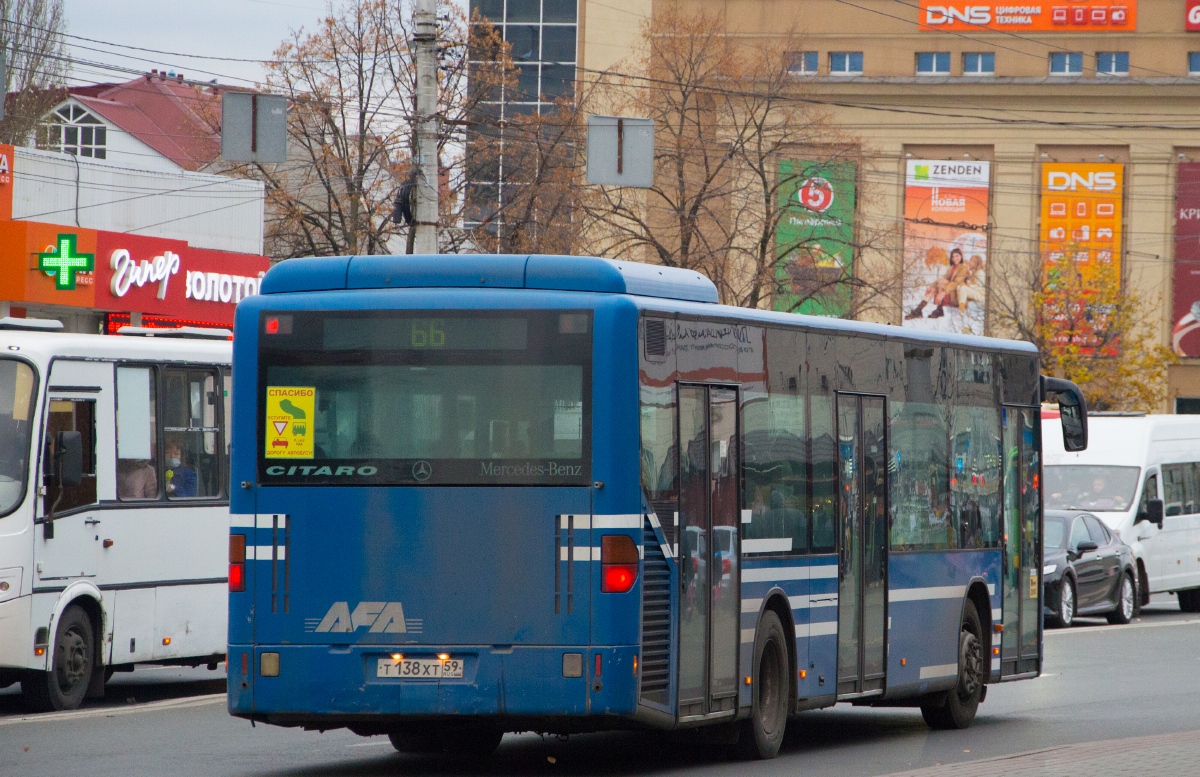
(944, 284)
(814, 241)
(1082, 215)
(1185, 338)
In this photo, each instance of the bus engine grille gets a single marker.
(656, 620)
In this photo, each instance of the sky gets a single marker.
(244, 29)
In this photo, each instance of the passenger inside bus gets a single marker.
(181, 479)
(136, 479)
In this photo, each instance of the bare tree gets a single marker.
(31, 32)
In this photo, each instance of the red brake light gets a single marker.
(237, 562)
(618, 563)
(618, 578)
(272, 326)
(726, 566)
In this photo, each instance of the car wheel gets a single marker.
(1189, 600)
(1066, 603)
(1126, 601)
(956, 708)
(71, 663)
(762, 733)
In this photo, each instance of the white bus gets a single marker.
(114, 512)
(1140, 474)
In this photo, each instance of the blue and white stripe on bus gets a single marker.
(932, 592)
(585, 522)
(802, 602)
(263, 552)
(773, 574)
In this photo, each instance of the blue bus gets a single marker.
(488, 494)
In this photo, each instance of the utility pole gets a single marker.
(425, 54)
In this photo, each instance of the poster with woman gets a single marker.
(944, 284)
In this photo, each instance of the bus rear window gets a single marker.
(425, 398)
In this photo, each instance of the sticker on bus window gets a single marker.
(1033, 584)
(290, 411)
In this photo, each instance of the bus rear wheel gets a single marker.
(469, 741)
(762, 733)
(956, 708)
(71, 665)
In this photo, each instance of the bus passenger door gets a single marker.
(708, 501)
(1022, 546)
(862, 559)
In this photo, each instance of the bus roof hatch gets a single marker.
(507, 271)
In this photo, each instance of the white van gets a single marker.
(1140, 474)
(114, 506)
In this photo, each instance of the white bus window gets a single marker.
(16, 404)
(191, 451)
(137, 476)
(71, 415)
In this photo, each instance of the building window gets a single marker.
(72, 130)
(1194, 63)
(1112, 63)
(802, 63)
(933, 63)
(979, 64)
(845, 63)
(1066, 63)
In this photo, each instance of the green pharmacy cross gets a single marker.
(63, 263)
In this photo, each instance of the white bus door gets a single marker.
(79, 399)
(862, 559)
(709, 607)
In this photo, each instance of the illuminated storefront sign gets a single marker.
(1192, 21)
(1078, 16)
(61, 262)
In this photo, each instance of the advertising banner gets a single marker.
(1006, 16)
(1192, 21)
(1186, 337)
(814, 242)
(944, 286)
(1082, 213)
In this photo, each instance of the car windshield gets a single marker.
(16, 407)
(1056, 532)
(1090, 487)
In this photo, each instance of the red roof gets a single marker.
(181, 121)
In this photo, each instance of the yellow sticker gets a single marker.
(1033, 584)
(290, 411)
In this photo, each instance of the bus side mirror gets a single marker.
(68, 459)
(1153, 513)
(1072, 409)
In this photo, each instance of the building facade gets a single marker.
(992, 134)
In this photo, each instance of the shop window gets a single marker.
(1112, 63)
(979, 64)
(1066, 63)
(1187, 405)
(1194, 63)
(933, 63)
(846, 63)
(802, 63)
(72, 130)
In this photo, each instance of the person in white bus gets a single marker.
(137, 479)
(1097, 499)
(181, 479)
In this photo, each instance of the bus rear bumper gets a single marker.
(330, 686)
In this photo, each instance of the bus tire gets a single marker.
(1189, 600)
(762, 733)
(416, 740)
(71, 665)
(470, 741)
(956, 708)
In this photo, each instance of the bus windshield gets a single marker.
(425, 398)
(1089, 487)
(16, 408)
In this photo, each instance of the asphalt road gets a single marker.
(1101, 683)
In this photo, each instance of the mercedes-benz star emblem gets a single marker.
(422, 470)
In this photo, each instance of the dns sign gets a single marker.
(815, 194)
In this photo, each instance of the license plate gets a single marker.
(419, 668)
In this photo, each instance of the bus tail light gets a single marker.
(237, 562)
(618, 563)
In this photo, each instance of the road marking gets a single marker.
(108, 712)
(1126, 627)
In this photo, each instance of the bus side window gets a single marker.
(137, 449)
(71, 415)
(189, 420)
